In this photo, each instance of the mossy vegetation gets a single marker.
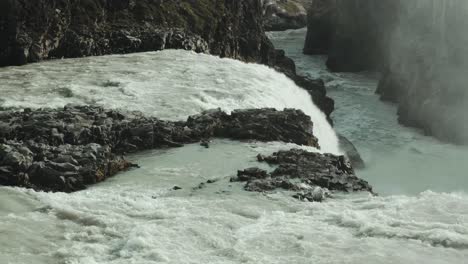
(290, 6)
(194, 15)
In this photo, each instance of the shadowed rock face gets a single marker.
(66, 149)
(354, 33)
(301, 171)
(419, 45)
(31, 31)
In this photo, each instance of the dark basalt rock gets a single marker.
(32, 31)
(353, 33)
(424, 67)
(318, 92)
(66, 149)
(320, 27)
(302, 171)
(316, 88)
(56, 168)
(265, 124)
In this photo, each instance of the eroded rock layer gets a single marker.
(302, 172)
(66, 149)
(31, 31)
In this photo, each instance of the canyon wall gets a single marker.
(31, 31)
(420, 46)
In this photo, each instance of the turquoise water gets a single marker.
(400, 160)
(137, 217)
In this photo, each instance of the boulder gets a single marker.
(69, 148)
(311, 175)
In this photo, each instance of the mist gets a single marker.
(428, 58)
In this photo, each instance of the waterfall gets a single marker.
(145, 82)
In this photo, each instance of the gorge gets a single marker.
(160, 131)
(419, 46)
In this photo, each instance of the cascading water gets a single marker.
(169, 84)
(137, 216)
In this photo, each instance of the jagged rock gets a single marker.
(69, 148)
(250, 174)
(265, 124)
(44, 29)
(56, 168)
(318, 92)
(47, 29)
(302, 171)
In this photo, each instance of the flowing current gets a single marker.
(136, 217)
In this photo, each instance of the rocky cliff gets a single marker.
(354, 33)
(421, 46)
(31, 31)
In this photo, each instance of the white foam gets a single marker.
(169, 84)
(135, 218)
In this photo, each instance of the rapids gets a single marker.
(137, 217)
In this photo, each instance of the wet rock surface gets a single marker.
(315, 87)
(67, 149)
(310, 175)
(32, 31)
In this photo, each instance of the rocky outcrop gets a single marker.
(321, 17)
(315, 87)
(67, 149)
(281, 15)
(353, 33)
(302, 172)
(420, 46)
(31, 31)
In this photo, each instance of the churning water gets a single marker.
(136, 217)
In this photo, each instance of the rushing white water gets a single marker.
(400, 160)
(171, 84)
(136, 217)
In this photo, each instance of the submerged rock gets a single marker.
(302, 171)
(66, 149)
